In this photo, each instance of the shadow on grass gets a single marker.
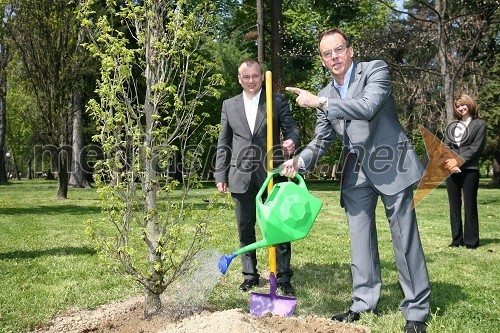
(59, 251)
(51, 210)
(486, 241)
(322, 289)
(326, 289)
(443, 295)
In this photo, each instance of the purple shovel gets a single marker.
(261, 304)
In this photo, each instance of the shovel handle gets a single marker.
(272, 259)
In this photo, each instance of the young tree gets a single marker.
(155, 74)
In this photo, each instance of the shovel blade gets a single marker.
(262, 304)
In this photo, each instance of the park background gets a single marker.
(66, 66)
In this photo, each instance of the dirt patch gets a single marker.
(183, 312)
(127, 316)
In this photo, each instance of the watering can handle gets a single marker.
(271, 175)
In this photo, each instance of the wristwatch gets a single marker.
(323, 102)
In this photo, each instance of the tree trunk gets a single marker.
(441, 8)
(277, 44)
(16, 168)
(78, 177)
(3, 118)
(30, 170)
(260, 32)
(3, 169)
(495, 179)
(63, 176)
(152, 303)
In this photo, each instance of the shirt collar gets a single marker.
(256, 97)
(347, 78)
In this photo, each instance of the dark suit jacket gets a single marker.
(369, 117)
(241, 154)
(471, 145)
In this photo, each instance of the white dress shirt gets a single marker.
(251, 107)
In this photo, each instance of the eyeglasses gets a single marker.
(338, 51)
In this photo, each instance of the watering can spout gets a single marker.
(225, 261)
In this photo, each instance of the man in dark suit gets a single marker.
(358, 106)
(241, 156)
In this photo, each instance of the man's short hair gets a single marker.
(332, 32)
(249, 63)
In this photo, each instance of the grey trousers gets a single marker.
(360, 199)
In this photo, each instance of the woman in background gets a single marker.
(465, 136)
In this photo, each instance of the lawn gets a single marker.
(47, 265)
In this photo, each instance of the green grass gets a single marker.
(48, 266)
(46, 263)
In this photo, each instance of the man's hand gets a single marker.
(288, 147)
(305, 98)
(289, 168)
(222, 187)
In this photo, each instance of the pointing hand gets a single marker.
(304, 98)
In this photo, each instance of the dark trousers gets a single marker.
(245, 217)
(464, 185)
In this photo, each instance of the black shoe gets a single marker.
(286, 288)
(455, 245)
(347, 317)
(471, 247)
(248, 284)
(414, 326)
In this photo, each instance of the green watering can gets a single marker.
(287, 215)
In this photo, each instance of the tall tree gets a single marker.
(45, 33)
(443, 38)
(438, 49)
(4, 58)
(79, 176)
(20, 102)
(155, 74)
(489, 103)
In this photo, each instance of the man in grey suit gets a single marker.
(241, 156)
(379, 161)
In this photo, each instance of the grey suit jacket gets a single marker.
(241, 154)
(369, 117)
